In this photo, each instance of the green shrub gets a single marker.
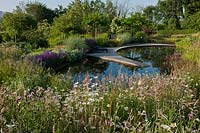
(102, 40)
(192, 22)
(113, 43)
(41, 43)
(140, 37)
(170, 32)
(124, 38)
(36, 39)
(184, 44)
(86, 36)
(74, 43)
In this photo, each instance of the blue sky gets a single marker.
(9, 5)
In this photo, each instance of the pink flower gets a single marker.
(191, 115)
(18, 98)
(109, 123)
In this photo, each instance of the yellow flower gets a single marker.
(173, 125)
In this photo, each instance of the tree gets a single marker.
(191, 6)
(60, 10)
(135, 22)
(38, 38)
(110, 10)
(192, 22)
(71, 22)
(15, 24)
(40, 12)
(170, 13)
(95, 20)
(115, 25)
(149, 12)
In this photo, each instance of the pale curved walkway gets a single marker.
(111, 54)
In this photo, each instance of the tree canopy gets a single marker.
(95, 16)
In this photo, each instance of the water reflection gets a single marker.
(154, 57)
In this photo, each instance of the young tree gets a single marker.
(15, 24)
(95, 20)
(135, 22)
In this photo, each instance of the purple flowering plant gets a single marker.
(50, 59)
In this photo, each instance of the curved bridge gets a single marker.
(110, 53)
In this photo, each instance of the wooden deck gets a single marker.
(110, 54)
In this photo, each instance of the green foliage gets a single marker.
(68, 23)
(35, 100)
(184, 44)
(173, 23)
(115, 26)
(40, 43)
(102, 40)
(90, 17)
(40, 12)
(165, 38)
(189, 50)
(168, 109)
(169, 12)
(124, 38)
(95, 20)
(192, 22)
(36, 39)
(16, 24)
(171, 32)
(191, 7)
(74, 43)
(140, 37)
(149, 12)
(59, 29)
(30, 77)
(135, 22)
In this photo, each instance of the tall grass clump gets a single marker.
(102, 40)
(189, 48)
(74, 43)
(124, 38)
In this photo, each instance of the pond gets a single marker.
(154, 57)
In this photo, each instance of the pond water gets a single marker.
(154, 57)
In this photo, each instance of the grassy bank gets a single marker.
(34, 99)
